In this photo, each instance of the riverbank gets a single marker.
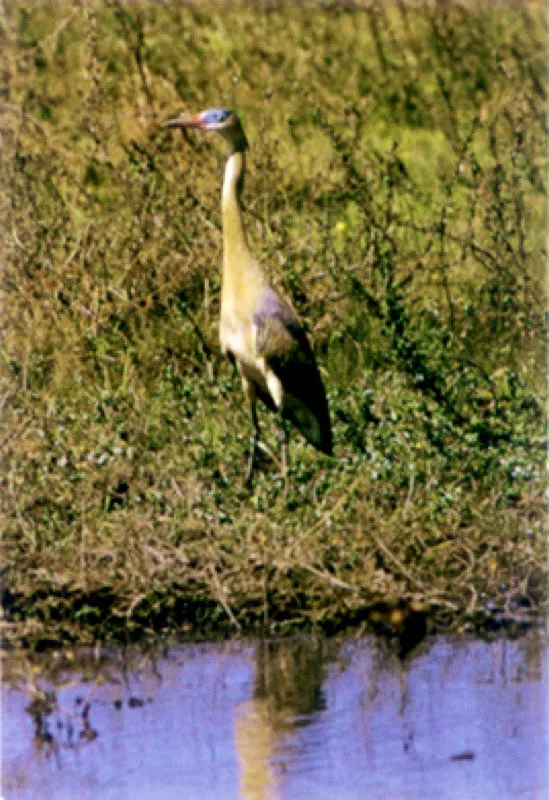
(396, 193)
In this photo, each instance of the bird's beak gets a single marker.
(184, 121)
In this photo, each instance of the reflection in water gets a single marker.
(288, 720)
(255, 738)
(287, 692)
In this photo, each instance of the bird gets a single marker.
(258, 329)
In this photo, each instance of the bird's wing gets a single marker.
(281, 340)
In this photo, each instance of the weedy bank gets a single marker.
(396, 192)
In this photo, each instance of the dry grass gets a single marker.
(396, 192)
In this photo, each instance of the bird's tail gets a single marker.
(313, 424)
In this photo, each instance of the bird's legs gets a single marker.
(256, 443)
(283, 438)
(249, 391)
(276, 391)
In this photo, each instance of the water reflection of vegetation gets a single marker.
(292, 691)
(397, 187)
(289, 677)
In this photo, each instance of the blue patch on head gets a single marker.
(215, 115)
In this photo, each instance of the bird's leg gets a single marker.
(276, 391)
(249, 391)
(254, 447)
(283, 438)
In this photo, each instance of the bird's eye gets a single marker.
(216, 115)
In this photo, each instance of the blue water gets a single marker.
(291, 720)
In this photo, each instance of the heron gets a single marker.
(258, 328)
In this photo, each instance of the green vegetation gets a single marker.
(396, 191)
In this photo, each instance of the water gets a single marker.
(290, 720)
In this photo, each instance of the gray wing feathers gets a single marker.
(284, 345)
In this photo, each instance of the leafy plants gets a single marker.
(397, 194)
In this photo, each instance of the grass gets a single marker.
(396, 192)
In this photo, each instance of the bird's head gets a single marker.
(221, 120)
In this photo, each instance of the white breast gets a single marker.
(240, 341)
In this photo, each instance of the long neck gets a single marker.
(235, 245)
